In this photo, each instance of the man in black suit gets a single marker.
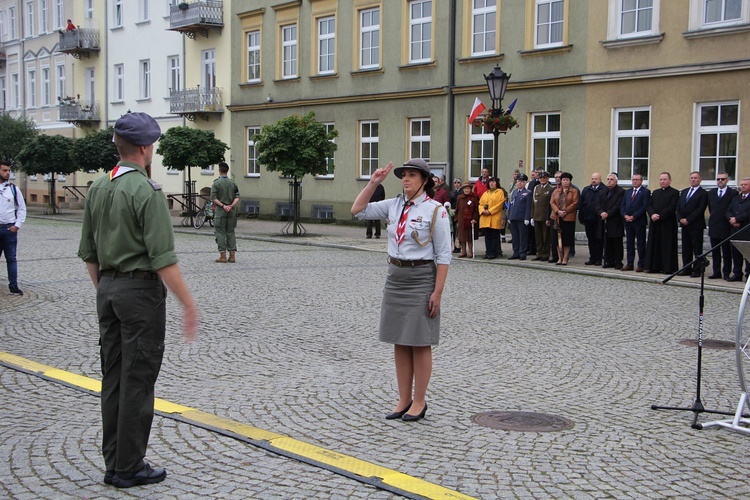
(589, 217)
(611, 227)
(634, 205)
(739, 218)
(691, 214)
(661, 247)
(719, 229)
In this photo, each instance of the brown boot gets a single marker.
(222, 258)
(231, 256)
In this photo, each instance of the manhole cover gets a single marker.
(710, 344)
(524, 421)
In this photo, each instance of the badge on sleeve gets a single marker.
(155, 185)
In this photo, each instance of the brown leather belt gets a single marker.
(139, 275)
(408, 263)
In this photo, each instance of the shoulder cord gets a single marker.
(432, 229)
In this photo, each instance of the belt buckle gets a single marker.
(396, 262)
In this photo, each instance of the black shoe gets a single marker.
(456, 250)
(15, 290)
(414, 418)
(523, 257)
(618, 267)
(513, 257)
(369, 236)
(398, 414)
(147, 475)
(377, 236)
(695, 275)
(597, 263)
(715, 276)
(486, 256)
(607, 266)
(551, 260)
(589, 263)
(735, 277)
(108, 476)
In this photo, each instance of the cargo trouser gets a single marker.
(224, 225)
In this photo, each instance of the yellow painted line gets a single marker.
(271, 441)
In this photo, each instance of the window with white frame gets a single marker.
(31, 88)
(368, 148)
(3, 33)
(119, 83)
(43, 16)
(545, 141)
(420, 31)
(15, 91)
(326, 45)
(636, 17)
(143, 13)
(145, 86)
(253, 167)
(717, 131)
(253, 56)
(90, 88)
(369, 42)
(12, 23)
(117, 13)
(483, 27)
(480, 150)
(549, 23)
(60, 80)
(3, 95)
(711, 14)
(46, 87)
(329, 160)
(58, 15)
(419, 138)
(289, 51)
(208, 70)
(632, 142)
(174, 77)
(29, 18)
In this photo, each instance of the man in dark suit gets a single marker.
(739, 218)
(611, 227)
(661, 247)
(634, 205)
(589, 217)
(691, 214)
(719, 229)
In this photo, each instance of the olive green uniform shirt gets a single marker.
(225, 190)
(126, 224)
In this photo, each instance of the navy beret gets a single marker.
(138, 128)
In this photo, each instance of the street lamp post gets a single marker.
(497, 83)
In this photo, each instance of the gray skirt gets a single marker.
(404, 318)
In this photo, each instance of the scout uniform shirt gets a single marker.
(418, 222)
(126, 223)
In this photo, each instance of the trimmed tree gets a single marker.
(48, 154)
(185, 147)
(15, 133)
(296, 146)
(96, 151)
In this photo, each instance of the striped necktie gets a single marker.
(401, 227)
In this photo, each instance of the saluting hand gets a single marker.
(380, 174)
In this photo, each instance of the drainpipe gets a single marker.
(451, 95)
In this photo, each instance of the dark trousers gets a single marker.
(492, 242)
(635, 239)
(532, 241)
(613, 251)
(8, 245)
(132, 323)
(596, 245)
(520, 237)
(692, 247)
(721, 257)
(541, 237)
(370, 224)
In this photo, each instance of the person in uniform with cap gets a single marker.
(419, 253)
(519, 216)
(225, 195)
(127, 243)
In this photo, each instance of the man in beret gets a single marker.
(127, 243)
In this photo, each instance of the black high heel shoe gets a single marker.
(414, 418)
(398, 414)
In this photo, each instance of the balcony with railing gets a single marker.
(196, 103)
(80, 42)
(79, 113)
(196, 17)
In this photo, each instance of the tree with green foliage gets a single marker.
(296, 146)
(96, 151)
(48, 154)
(15, 133)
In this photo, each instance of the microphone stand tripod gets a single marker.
(698, 407)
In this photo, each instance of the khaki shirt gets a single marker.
(225, 190)
(126, 224)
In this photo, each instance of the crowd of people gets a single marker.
(632, 229)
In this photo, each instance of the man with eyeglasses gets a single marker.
(691, 214)
(719, 229)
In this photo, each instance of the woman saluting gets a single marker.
(419, 252)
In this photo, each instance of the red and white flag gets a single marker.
(476, 110)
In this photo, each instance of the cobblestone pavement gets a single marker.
(288, 344)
